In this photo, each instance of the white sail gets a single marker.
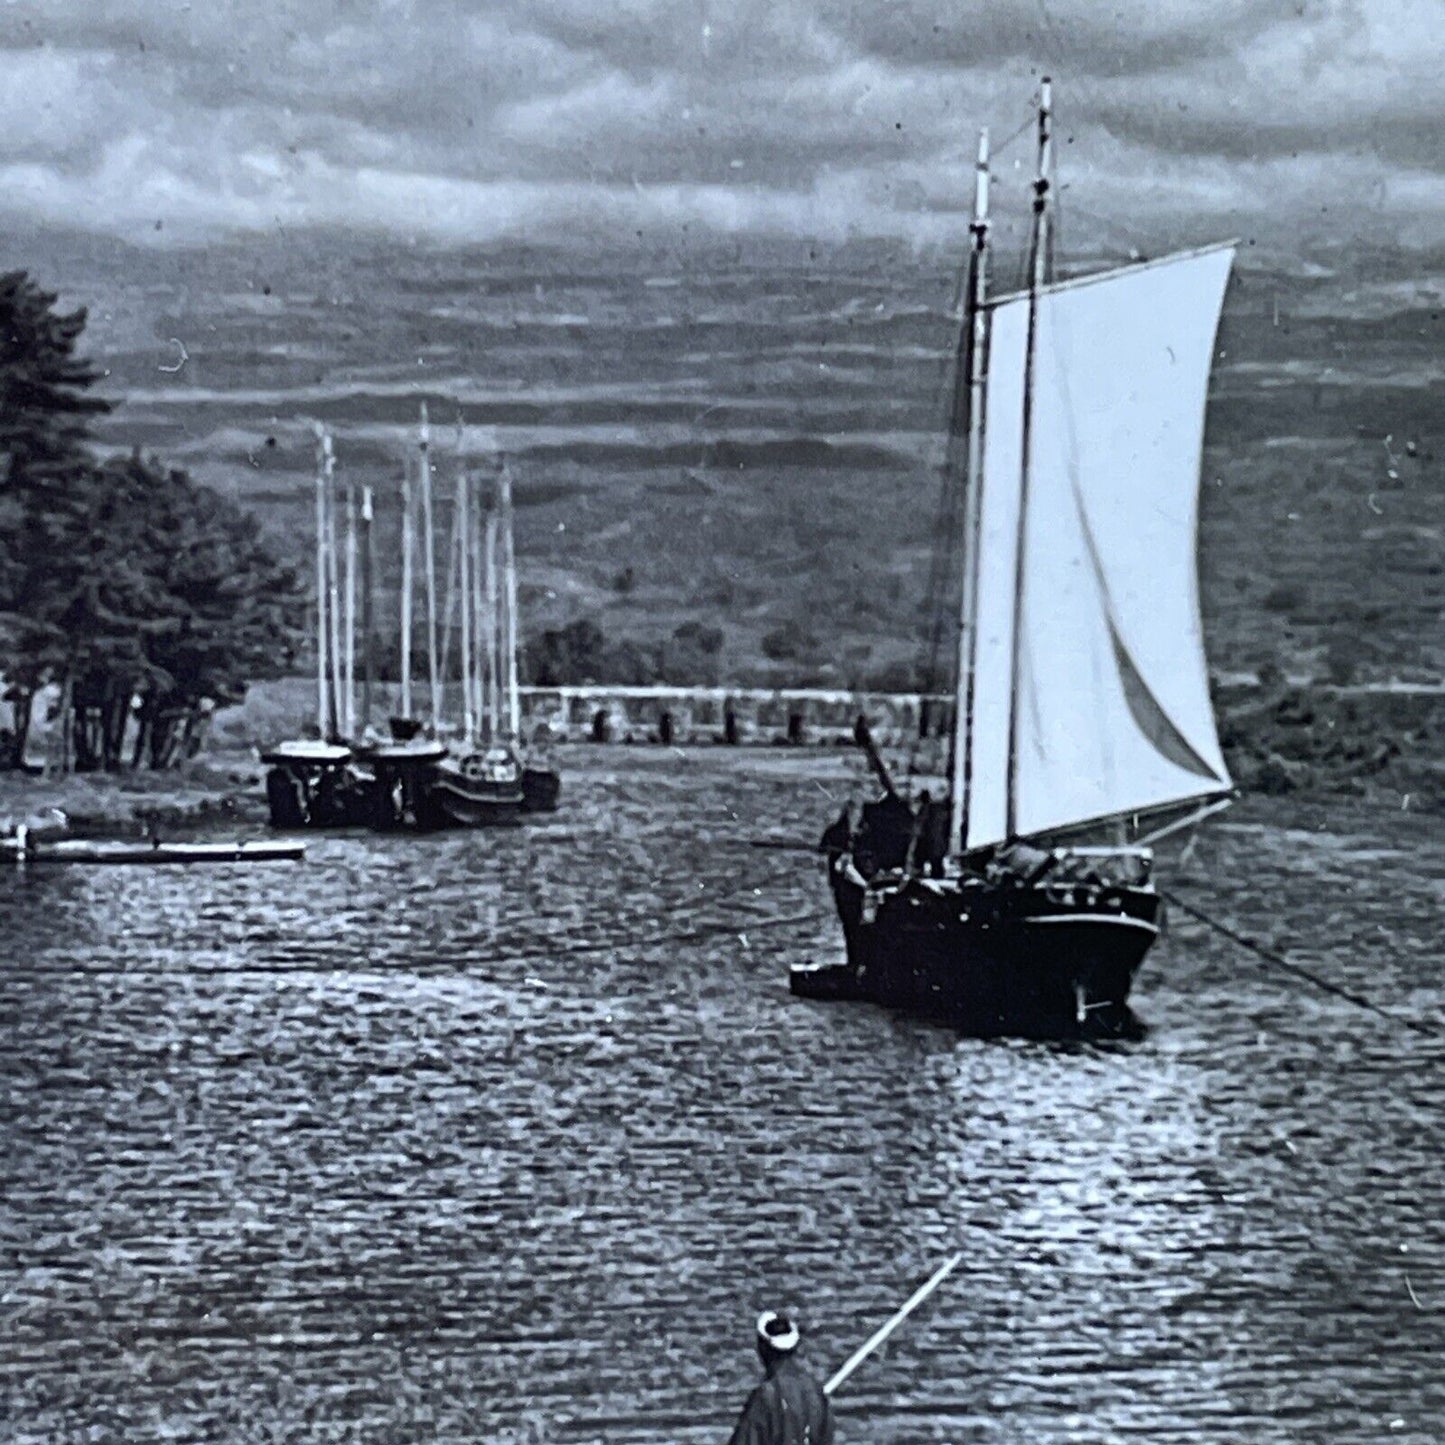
(1102, 699)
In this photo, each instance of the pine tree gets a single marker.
(145, 596)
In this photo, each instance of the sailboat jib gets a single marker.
(1109, 710)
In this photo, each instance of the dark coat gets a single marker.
(788, 1408)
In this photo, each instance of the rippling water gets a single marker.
(507, 1137)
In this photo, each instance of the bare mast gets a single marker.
(408, 586)
(976, 350)
(349, 663)
(509, 603)
(368, 606)
(322, 663)
(463, 529)
(489, 613)
(429, 557)
(1038, 262)
(482, 705)
(333, 598)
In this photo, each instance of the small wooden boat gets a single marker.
(541, 781)
(102, 850)
(480, 789)
(315, 784)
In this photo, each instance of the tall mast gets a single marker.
(976, 345)
(463, 528)
(509, 603)
(453, 586)
(322, 664)
(333, 590)
(494, 710)
(350, 639)
(430, 558)
(408, 586)
(480, 635)
(368, 606)
(1038, 260)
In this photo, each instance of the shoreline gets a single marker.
(1311, 744)
(1289, 746)
(211, 788)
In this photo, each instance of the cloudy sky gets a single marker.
(167, 120)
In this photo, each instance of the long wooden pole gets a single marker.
(368, 606)
(351, 559)
(333, 588)
(976, 346)
(453, 592)
(428, 522)
(322, 665)
(881, 1334)
(464, 528)
(509, 603)
(1038, 262)
(408, 585)
(489, 563)
(480, 643)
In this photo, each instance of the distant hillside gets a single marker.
(747, 439)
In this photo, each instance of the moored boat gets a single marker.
(83, 850)
(316, 784)
(482, 788)
(319, 782)
(1082, 717)
(540, 779)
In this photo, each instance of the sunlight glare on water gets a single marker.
(509, 1136)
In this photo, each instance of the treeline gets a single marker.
(696, 654)
(146, 598)
(579, 653)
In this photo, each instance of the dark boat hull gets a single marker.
(541, 789)
(457, 805)
(299, 795)
(994, 958)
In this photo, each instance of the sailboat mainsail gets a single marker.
(1100, 706)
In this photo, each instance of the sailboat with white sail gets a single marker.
(1083, 726)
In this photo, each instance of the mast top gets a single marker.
(1046, 145)
(978, 227)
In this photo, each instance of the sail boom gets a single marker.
(1204, 803)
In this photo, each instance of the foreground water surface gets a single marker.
(508, 1136)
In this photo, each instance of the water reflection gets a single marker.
(476, 1137)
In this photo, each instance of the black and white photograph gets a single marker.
(722, 722)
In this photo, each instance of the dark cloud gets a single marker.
(802, 115)
(1106, 38)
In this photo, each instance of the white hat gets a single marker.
(777, 1331)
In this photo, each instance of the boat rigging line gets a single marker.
(1268, 955)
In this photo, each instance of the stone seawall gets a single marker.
(681, 715)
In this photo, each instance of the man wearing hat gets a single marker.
(789, 1407)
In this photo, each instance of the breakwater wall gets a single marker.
(683, 715)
